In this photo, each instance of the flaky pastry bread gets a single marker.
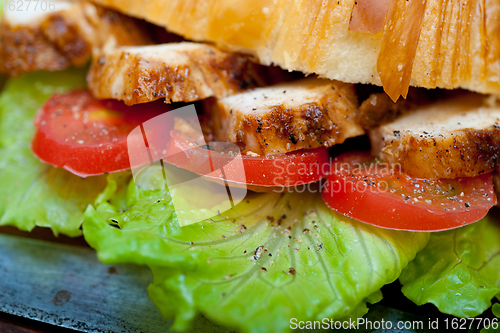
(457, 42)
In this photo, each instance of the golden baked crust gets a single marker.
(459, 43)
(57, 40)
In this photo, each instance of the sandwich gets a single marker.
(344, 144)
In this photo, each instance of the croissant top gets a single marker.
(395, 43)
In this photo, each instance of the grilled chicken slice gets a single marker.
(458, 137)
(177, 72)
(308, 113)
(56, 39)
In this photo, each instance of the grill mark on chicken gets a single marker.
(449, 139)
(65, 37)
(55, 40)
(178, 72)
(308, 113)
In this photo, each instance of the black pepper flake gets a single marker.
(396, 133)
(292, 271)
(467, 204)
(264, 269)
(292, 138)
(259, 129)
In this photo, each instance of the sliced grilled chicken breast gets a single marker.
(177, 72)
(308, 113)
(60, 36)
(457, 137)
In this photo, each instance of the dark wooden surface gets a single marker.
(66, 286)
(15, 324)
(45, 234)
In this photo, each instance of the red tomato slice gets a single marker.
(377, 194)
(86, 136)
(277, 171)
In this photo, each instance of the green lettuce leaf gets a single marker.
(271, 258)
(458, 271)
(493, 326)
(33, 193)
(496, 310)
